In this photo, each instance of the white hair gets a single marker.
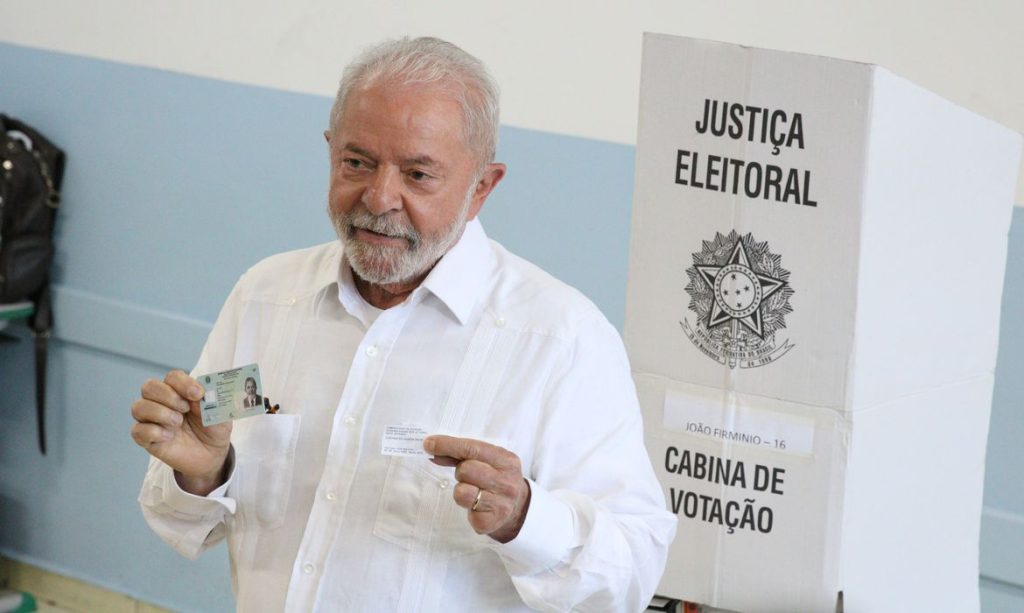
(409, 61)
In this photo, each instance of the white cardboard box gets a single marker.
(812, 318)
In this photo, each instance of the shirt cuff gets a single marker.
(548, 533)
(190, 504)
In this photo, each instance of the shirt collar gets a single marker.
(456, 280)
(329, 272)
(351, 299)
(459, 278)
(328, 275)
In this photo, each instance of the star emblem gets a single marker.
(739, 291)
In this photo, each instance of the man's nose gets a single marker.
(384, 193)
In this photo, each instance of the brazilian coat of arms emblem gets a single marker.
(740, 294)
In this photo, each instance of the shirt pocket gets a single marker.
(417, 511)
(265, 460)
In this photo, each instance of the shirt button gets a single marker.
(443, 484)
(308, 569)
(349, 420)
(331, 496)
(500, 322)
(371, 350)
(291, 300)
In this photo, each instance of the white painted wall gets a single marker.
(570, 67)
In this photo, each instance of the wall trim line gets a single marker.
(126, 329)
(1002, 546)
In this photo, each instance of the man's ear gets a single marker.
(327, 136)
(492, 175)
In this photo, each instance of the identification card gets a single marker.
(231, 394)
(403, 441)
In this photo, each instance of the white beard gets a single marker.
(387, 265)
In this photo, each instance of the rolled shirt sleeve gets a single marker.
(190, 524)
(597, 532)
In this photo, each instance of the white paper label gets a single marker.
(403, 441)
(709, 418)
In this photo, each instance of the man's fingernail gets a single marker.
(168, 435)
(428, 444)
(195, 392)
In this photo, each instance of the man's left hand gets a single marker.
(490, 484)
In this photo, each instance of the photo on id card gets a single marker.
(231, 394)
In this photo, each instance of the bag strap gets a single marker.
(41, 324)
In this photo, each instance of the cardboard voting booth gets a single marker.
(816, 267)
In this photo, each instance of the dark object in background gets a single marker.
(31, 170)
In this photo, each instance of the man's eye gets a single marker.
(354, 163)
(418, 175)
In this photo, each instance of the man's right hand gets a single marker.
(171, 429)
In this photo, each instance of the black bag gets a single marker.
(31, 170)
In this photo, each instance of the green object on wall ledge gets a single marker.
(14, 310)
(16, 602)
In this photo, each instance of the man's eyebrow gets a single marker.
(357, 150)
(416, 160)
(421, 160)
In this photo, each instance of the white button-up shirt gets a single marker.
(488, 347)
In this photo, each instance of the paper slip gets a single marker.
(403, 441)
(231, 394)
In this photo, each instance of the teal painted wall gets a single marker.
(165, 173)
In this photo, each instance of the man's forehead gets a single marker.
(421, 125)
(404, 112)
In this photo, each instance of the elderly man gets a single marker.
(413, 318)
